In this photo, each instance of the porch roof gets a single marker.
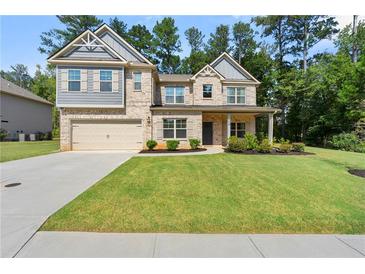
(219, 108)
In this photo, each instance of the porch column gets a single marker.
(271, 127)
(228, 125)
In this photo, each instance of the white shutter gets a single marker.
(83, 79)
(96, 80)
(115, 79)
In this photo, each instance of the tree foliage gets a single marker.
(167, 44)
(53, 40)
(218, 42)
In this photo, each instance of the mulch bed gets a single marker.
(172, 151)
(253, 152)
(357, 172)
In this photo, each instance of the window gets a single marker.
(238, 129)
(174, 128)
(74, 80)
(138, 81)
(106, 80)
(236, 95)
(174, 95)
(207, 91)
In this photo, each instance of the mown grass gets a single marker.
(18, 150)
(224, 193)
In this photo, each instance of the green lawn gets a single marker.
(224, 193)
(18, 150)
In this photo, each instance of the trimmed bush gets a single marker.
(250, 141)
(298, 147)
(172, 144)
(151, 144)
(234, 144)
(347, 142)
(3, 134)
(285, 148)
(194, 143)
(264, 146)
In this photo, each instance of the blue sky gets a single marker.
(20, 35)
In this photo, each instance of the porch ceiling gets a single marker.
(219, 108)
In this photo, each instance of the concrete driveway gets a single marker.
(47, 184)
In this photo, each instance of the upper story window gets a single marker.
(74, 80)
(174, 128)
(137, 77)
(207, 91)
(106, 78)
(236, 95)
(174, 95)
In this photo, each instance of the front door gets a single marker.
(207, 133)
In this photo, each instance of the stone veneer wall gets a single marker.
(137, 106)
(193, 124)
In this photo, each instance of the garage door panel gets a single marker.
(94, 135)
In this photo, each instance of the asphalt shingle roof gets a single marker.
(10, 88)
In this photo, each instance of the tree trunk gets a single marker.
(305, 47)
(354, 44)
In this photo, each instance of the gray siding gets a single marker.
(90, 96)
(123, 50)
(21, 115)
(95, 54)
(228, 70)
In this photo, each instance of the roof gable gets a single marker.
(208, 71)
(230, 69)
(109, 36)
(87, 46)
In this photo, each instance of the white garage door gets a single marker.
(94, 135)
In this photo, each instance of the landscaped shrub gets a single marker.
(194, 143)
(48, 135)
(348, 142)
(285, 148)
(250, 141)
(3, 134)
(235, 144)
(264, 146)
(298, 147)
(172, 144)
(151, 144)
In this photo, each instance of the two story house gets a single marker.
(111, 97)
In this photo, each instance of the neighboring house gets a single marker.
(111, 97)
(22, 111)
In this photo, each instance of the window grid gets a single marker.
(137, 81)
(106, 78)
(207, 90)
(74, 80)
(174, 95)
(236, 95)
(238, 129)
(174, 128)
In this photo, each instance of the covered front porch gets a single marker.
(218, 127)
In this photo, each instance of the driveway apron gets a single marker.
(47, 183)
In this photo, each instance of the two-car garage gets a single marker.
(106, 134)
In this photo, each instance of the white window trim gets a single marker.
(211, 92)
(236, 96)
(174, 87)
(68, 80)
(174, 129)
(111, 81)
(235, 131)
(134, 81)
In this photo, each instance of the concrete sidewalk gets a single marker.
(148, 245)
